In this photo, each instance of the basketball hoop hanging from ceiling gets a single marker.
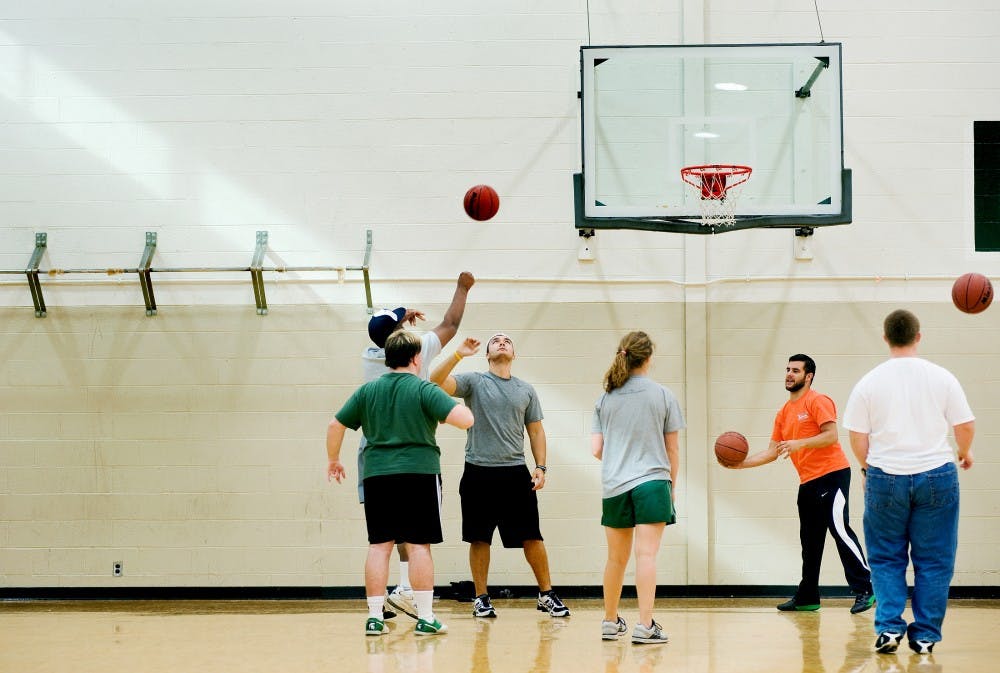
(710, 113)
(718, 187)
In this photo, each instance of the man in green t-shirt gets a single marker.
(399, 413)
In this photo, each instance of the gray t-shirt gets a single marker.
(633, 420)
(502, 407)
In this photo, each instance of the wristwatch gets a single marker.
(541, 467)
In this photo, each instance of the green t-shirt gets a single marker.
(399, 413)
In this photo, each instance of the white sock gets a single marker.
(375, 605)
(404, 575)
(425, 604)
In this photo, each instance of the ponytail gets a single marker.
(634, 350)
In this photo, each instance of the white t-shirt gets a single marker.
(373, 358)
(907, 406)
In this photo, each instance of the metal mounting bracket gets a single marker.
(256, 273)
(145, 277)
(364, 271)
(805, 91)
(41, 240)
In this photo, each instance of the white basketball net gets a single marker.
(719, 189)
(720, 212)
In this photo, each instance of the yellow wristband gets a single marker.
(458, 357)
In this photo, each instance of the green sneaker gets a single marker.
(792, 606)
(862, 602)
(426, 628)
(374, 627)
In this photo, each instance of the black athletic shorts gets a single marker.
(499, 497)
(403, 508)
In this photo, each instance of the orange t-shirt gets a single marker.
(802, 419)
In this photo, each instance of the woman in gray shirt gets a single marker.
(635, 428)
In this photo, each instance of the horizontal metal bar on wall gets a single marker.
(145, 272)
(563, 280)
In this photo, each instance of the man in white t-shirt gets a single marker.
(380, 326)
(899, 416)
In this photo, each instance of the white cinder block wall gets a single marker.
(189, 445)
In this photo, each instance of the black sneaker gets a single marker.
(791, 605)
(549, 602)
(887, 642)
(921, 646)
(483, 608)
(863, 602)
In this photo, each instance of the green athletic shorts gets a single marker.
(648, 502)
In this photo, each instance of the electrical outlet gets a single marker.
(117, 568)
(586, 250)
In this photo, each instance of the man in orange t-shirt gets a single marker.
(805, 430)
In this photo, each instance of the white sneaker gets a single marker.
(611, 630)
(650, 635)
(549, 602)
(483, 608)
(387, 613)
(402, 600)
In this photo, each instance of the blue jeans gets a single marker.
(912, 517)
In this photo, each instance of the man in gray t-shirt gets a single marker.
(497, 490)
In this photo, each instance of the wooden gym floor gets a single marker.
(706, 636)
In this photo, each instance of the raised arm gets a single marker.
(453, 316)
(442, 373)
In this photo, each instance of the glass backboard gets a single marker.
(650, 111)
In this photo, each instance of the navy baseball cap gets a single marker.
(384, 323)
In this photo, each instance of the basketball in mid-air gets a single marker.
(481, 202)
(972, 293)
(731, 448)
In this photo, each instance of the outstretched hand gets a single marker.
(412, 315)
(466, 280)
(469, 347)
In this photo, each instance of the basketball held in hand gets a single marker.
(481, 202)
(731, 448)
(972, 293)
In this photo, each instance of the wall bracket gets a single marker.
(145, 277)
(41, 240)
(364, 271)
(256, 273)
(145, 271)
